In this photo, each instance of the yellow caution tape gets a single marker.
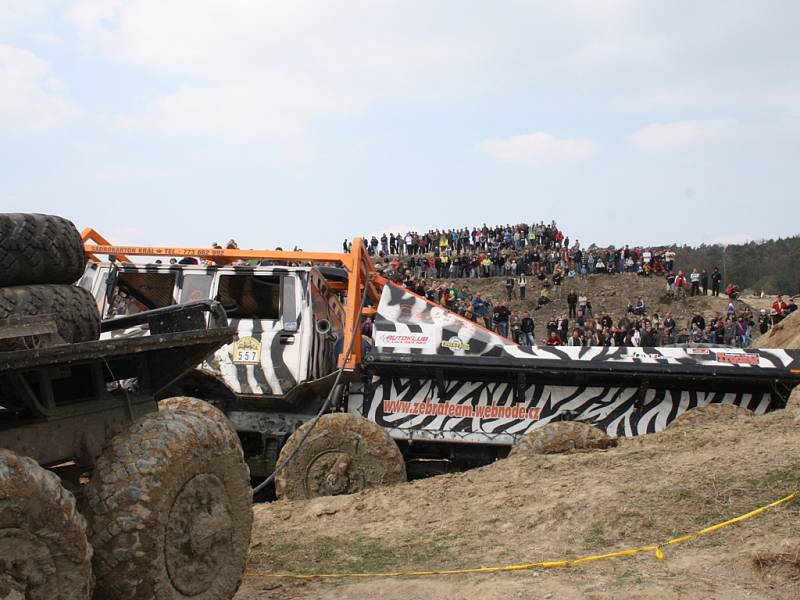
(657, 549)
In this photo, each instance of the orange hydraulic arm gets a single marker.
(357, 263)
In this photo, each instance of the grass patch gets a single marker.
(326, 554)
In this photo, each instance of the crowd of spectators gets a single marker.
(512, 250)
(541, 254)
(580, 327)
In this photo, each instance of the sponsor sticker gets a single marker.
(702, 351)
(246, 351)
(455, 343)
(737, 359)
(403, 340)
(467, 411)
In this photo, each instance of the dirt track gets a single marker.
(785, 334)
(533, 508)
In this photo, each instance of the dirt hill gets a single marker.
(608, 294)
(785, 334)
(534, 508)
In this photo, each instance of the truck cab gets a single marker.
(275, 371)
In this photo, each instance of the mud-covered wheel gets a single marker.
(44, 553)
(344, 454)
(38, 248)
(73, 309)
(563, 436)
(702, 415)
(198, 406)
(169, 510)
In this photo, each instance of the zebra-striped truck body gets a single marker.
(440, 385)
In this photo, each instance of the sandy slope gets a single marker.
(532, 508)
(785, 334)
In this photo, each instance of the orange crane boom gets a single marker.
(358, 264)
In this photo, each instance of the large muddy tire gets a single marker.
(72, 308)
(39, 249)
(344, 454)
(198, 406)
(169, 511)
(711, 413)
(563, 436)
(44, 554)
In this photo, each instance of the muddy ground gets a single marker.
(535, 508)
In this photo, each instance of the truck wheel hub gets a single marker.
(332, 473)
(26, 565)
(199, 534)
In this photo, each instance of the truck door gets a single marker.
(264, 359)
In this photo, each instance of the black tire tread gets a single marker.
(563, 436)
(196, 405)
(46, 509)
(36, 248)
(125, 503)
(73, 309)
(338, 429)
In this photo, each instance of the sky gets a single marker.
(187, 122)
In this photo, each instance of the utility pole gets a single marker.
(724, 270)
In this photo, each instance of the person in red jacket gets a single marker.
(780, 306)
(553, 340)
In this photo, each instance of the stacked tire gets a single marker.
(41, 256)
(44, 550)
(167, 511)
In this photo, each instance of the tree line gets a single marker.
(771, 265)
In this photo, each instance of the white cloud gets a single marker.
(274, 68)
(700, 98)
(682, 135)
(245, 69)
(15, 14)
(32, 98)
(537, 150)
(127, 174)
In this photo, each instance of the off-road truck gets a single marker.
(429, 391)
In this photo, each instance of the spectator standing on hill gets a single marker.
(572, 303)
(510, 292)
(670, 283)
(716, 281)
(500, 317)
(669, 260)
(669, 328)
(704, 282)
(522, 283)
(562, 325)
(478, 307)
(763, 321)
(527, 330)
(694, 278)
(558, 277)
(680, 285)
